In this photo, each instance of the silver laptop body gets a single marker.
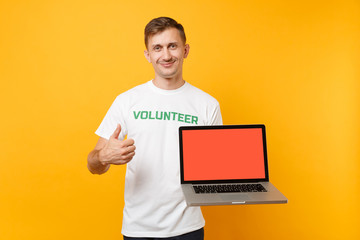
(218, 161)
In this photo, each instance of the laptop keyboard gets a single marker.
(229, 188)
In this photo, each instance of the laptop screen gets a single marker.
(223, 153)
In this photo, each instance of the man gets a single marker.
(150, 116)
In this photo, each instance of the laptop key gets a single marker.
(229, 188)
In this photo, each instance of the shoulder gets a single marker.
(135, 90)
(132, 93)
(199, 94)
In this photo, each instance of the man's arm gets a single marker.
(94, 165)
(112, 151)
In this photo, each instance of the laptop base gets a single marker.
(272, 196)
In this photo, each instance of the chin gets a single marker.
(168, 75)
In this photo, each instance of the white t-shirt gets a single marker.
(154, 202)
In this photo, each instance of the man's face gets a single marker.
(166, 52)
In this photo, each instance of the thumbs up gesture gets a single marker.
(116, 151)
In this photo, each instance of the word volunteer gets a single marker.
(159, 115)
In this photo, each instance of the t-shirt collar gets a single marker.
(167, 92)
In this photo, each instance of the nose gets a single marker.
(166, 55)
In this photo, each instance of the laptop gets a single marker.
(225, 165)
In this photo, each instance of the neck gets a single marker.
(168, 83)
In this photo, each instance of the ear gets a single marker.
(187, 49)
(147, 55)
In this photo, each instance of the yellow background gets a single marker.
(292, 65)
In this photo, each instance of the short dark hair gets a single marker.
(160, 24)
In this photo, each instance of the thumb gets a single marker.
(116, 132)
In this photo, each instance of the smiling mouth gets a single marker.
(167, 64)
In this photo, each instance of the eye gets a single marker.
(173, 46)
(157, 48)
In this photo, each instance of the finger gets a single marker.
(128, 142)
(124, 159)
(116, 132)
(128, 157)
(128, 150)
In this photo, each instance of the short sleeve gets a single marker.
(113, 117)
(216, 118)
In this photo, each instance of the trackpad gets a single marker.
(235, 197)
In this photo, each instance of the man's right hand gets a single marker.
(116, 151)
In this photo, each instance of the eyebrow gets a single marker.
(158, 44)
